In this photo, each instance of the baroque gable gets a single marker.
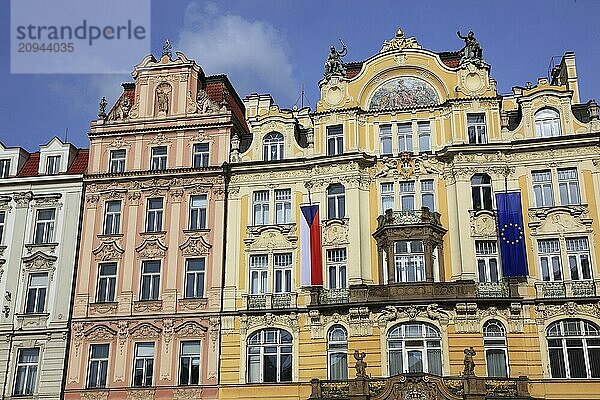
(561, 220)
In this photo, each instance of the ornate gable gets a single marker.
(108, 251)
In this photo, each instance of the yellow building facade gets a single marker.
(405, 154)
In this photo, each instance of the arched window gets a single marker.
(481, 192)
(547, 123)
(270, 356)
(336, 201)
(414, 347)
(494, 342)
(273, 146)
(337, 353)
(574, 349)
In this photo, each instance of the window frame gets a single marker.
(2, 225)
(398, 335)
(557, 332)
(112, 219)
(337, 268)
(117, 165)
(110, 285)
(283, 204)
(486, 251)
(5, 164)
(543, 123)
(385, 140)
(282, 273)
(200, 157)
(100, 361)
(273, 146)
(28, 367)
(335, 139)
(542, 188)
(426, 192)
(337, 347)
(479, 195)
(280, 346)
(261, 271)
(153, 279)
(200, 221)
(53, 164)
(573, 194)
(40, 296)
(405, 137)
(157, 213)
(48, 230)
(199, 279)
(261, 201)
(190, 358)
(550, 254)
(407, 192)
(495, 341)
(158, 162)
(336, 202)
(404, 261)
(145, 359)
(424, 131)
(476, 130)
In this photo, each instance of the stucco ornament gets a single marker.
(404, 92)
(108, 251)
(195, 245)
(151, 248)
(400, 42)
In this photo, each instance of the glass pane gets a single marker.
(576, 363)
(270, 368)
(594, 356)
(496, 363)
(395, 363)
(415, 361)
(557, 364)
(434, 361)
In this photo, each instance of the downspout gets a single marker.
(226, 176)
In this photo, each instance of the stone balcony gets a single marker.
(565, 289)
(409, 217)
(268, 301)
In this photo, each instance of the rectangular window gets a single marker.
(283, 272)
(335, 140)
(568, 186)
(98, 366)
(194, 278)
(424, 131)
(427, 194)
(107, 282)
(2, 223)
(283, 206)
(36, 293)
(143, 364)
(150, 280)
(410, 261)
(542, 188)
(154, 215)
(53, 165)
(385, 139)
(112, 217)
(578, 254)
(4, 168)
(200, 155)
(44, 226)
(259, 272)
(405, 137)
(198, 212)
(260, 206)
(159, 158)
(189, 363)
(407, 195)
(26, 372)
(336, 266)
(476, 128)
(117, 161)
(387, 196)
(549, 253)
(486, 252)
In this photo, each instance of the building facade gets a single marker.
(148, 292)
(40, 203)
(411, 156)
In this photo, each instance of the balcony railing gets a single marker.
(266, 301)
(408, 217)
(334, 296)
(557, 290)
(492, 289)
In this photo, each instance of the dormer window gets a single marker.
(53, 165)
(273, 147)
(547, 123)
(117, 161)
(159, 158)
(5, 168)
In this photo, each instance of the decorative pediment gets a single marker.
(335, 232)
(191, 329)
(483, 224)
(422, 387)
(40, 262)
(560, 220)
(431, 311)
(100, 332)
(151, 247)
(51, 200)
(145, 331)
(195, 245)
(269, 238)
(108, 251)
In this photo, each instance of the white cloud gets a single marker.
(253, 54)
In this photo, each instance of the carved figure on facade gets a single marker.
(334, 66)
(163, 93)
(191, 329)
(469, 362)
(204, 104)
(102, 108)
(361, 364)
(335, 232)
(400, 42)
(404, 92)
(472, 51)
(167, 49)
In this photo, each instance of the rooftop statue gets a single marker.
(334, 64)
(167, 49)
(472, 51)
(400, 42)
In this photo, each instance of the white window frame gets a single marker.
(578, 250)
(112, 219)
(478, 191)
(53, 165)
(547, 123)
(548, 252)
(193, 358)
(543, 188)
(336, 202)
(2, 225)
(158, 162)
(117, 164)
(405, 137)
(198, 217)
(31, 368)
(486, 253)
(337, 347)
(153, 279)
(385, 139)
(428, 192)
(401, 336)
(198, 278)
(47, 227)
(156, 214)
(40, 296)
(424, 135)
(387, 196)
(569, 181)
(476, 128)
(282, 272)
(405, 262)
(102, 363)
(283, 206)
(494, 340)
(557, 331)
(200, 154)
(110, 282)
(335, 137)
(5, 168)
(407, 191)
(259, 273)
(146, 375)
(271, 338)
(273, 146)
(261, 207)
(337, 268)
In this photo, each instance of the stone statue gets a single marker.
(472, 51)
(469, 362)
(361, 364)
(125, 106)
(167, 49)
(334, 64)
(204, 102)
(102, 108)
(162, 97)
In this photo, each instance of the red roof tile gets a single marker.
(79, 164)
(31, 165)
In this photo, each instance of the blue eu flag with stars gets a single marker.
(511, 234)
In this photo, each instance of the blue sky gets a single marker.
(277, 46)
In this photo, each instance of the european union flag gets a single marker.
(511, 234)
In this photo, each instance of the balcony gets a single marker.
(492, 290)
(409, 217)
(267, 301)
(563, 289)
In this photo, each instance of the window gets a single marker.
(260, 206)
(44, 226)
(335, 140)
(107, 281)
(282, 264)
(542, 188)
(36, 293)
(407, 196)
(549, 253)
(283, 206)
(427, 194)
(150, 280)
(200, 155)
(154, 215)
(568, 186)
(189, 363)
(336, 201)
(574, 349)
(53, 165)
(547, 123)
(273, 147)
(336, 266)
(405, 137)
(476, 128)
(414, 348)
(194, 278)
(143, 364)
(4, 168)
(337, 353)
(198, 212)
(424, 131)
(270, 356)
(98, 366)
(259, 271)
(494, 343)
(481, 192)
(117, 161)
(159, 158)
(578, 255)
(385, 139)
(26, 373)
(387, 196)
(486, 252)
(2, 223)
(112, 217)
(409, 260)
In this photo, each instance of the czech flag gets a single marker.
(311, 271)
